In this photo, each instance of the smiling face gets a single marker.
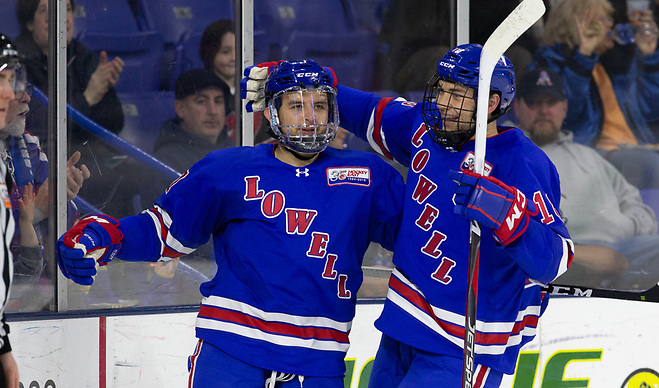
(457, 105)
(203, 114)
(304, 120)
(224, 62)
(303, 112)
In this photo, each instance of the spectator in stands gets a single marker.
(202, 104)
(615, 233)
(10, 84)
(26, 246)
(90, 90)
(612, 96)
(218, 51)
(90, 78)
(28, 167)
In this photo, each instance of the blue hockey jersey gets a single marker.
(425, 306)
(288, 242)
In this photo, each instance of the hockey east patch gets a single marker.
(358, 176)
(468, 164)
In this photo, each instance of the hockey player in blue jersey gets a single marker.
(524, 241)
(290, 223)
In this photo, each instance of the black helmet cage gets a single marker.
(433, 119)
(432, 116)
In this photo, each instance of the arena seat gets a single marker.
(351, 54)
(173, 18)
(176, 19)
(109, 25)
(650, 197)
(189, 52)
(103, 16)
(370, 13)
(144, 114)
(8, 20)
(279, 18)
(141, 54)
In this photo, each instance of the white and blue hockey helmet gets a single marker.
(301, 100)
(461, 66)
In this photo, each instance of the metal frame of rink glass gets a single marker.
(324, 128)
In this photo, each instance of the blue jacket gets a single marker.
(636, 86)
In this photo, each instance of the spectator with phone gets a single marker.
(611, 102)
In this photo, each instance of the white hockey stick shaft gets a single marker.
(520, 19)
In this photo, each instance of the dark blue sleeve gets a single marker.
(140, 242)
(544, 251)
(648, 85)
(387, 209)
(387, 124)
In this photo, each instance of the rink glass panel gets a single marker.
(370, 44)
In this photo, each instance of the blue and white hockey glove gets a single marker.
(492, 203)
(93, 241)
(252, 86)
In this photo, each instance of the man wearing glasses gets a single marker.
(28, 168)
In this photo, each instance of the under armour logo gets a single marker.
(299, 172)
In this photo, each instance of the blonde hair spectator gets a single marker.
(561, 26)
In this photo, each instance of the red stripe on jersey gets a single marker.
(193, 363)
(422, 304)
(458, 330)
(164, 232)
(481, 372)
(377, 129)
(570, 255)
(273, 327)
(169, 252)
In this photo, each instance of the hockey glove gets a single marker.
(252, 86)
(493, 204)
(93, 241)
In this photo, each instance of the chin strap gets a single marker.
(298, 155)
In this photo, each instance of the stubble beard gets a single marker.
(15, 128)
(544, 132)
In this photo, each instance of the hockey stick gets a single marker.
(520, 19)
(649, 295)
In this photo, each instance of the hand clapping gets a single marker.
(104, 77)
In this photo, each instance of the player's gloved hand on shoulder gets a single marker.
(493, 204)
(94, 240)
(252, 86)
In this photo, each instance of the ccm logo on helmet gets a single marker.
(307, 74)
(448, 65)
